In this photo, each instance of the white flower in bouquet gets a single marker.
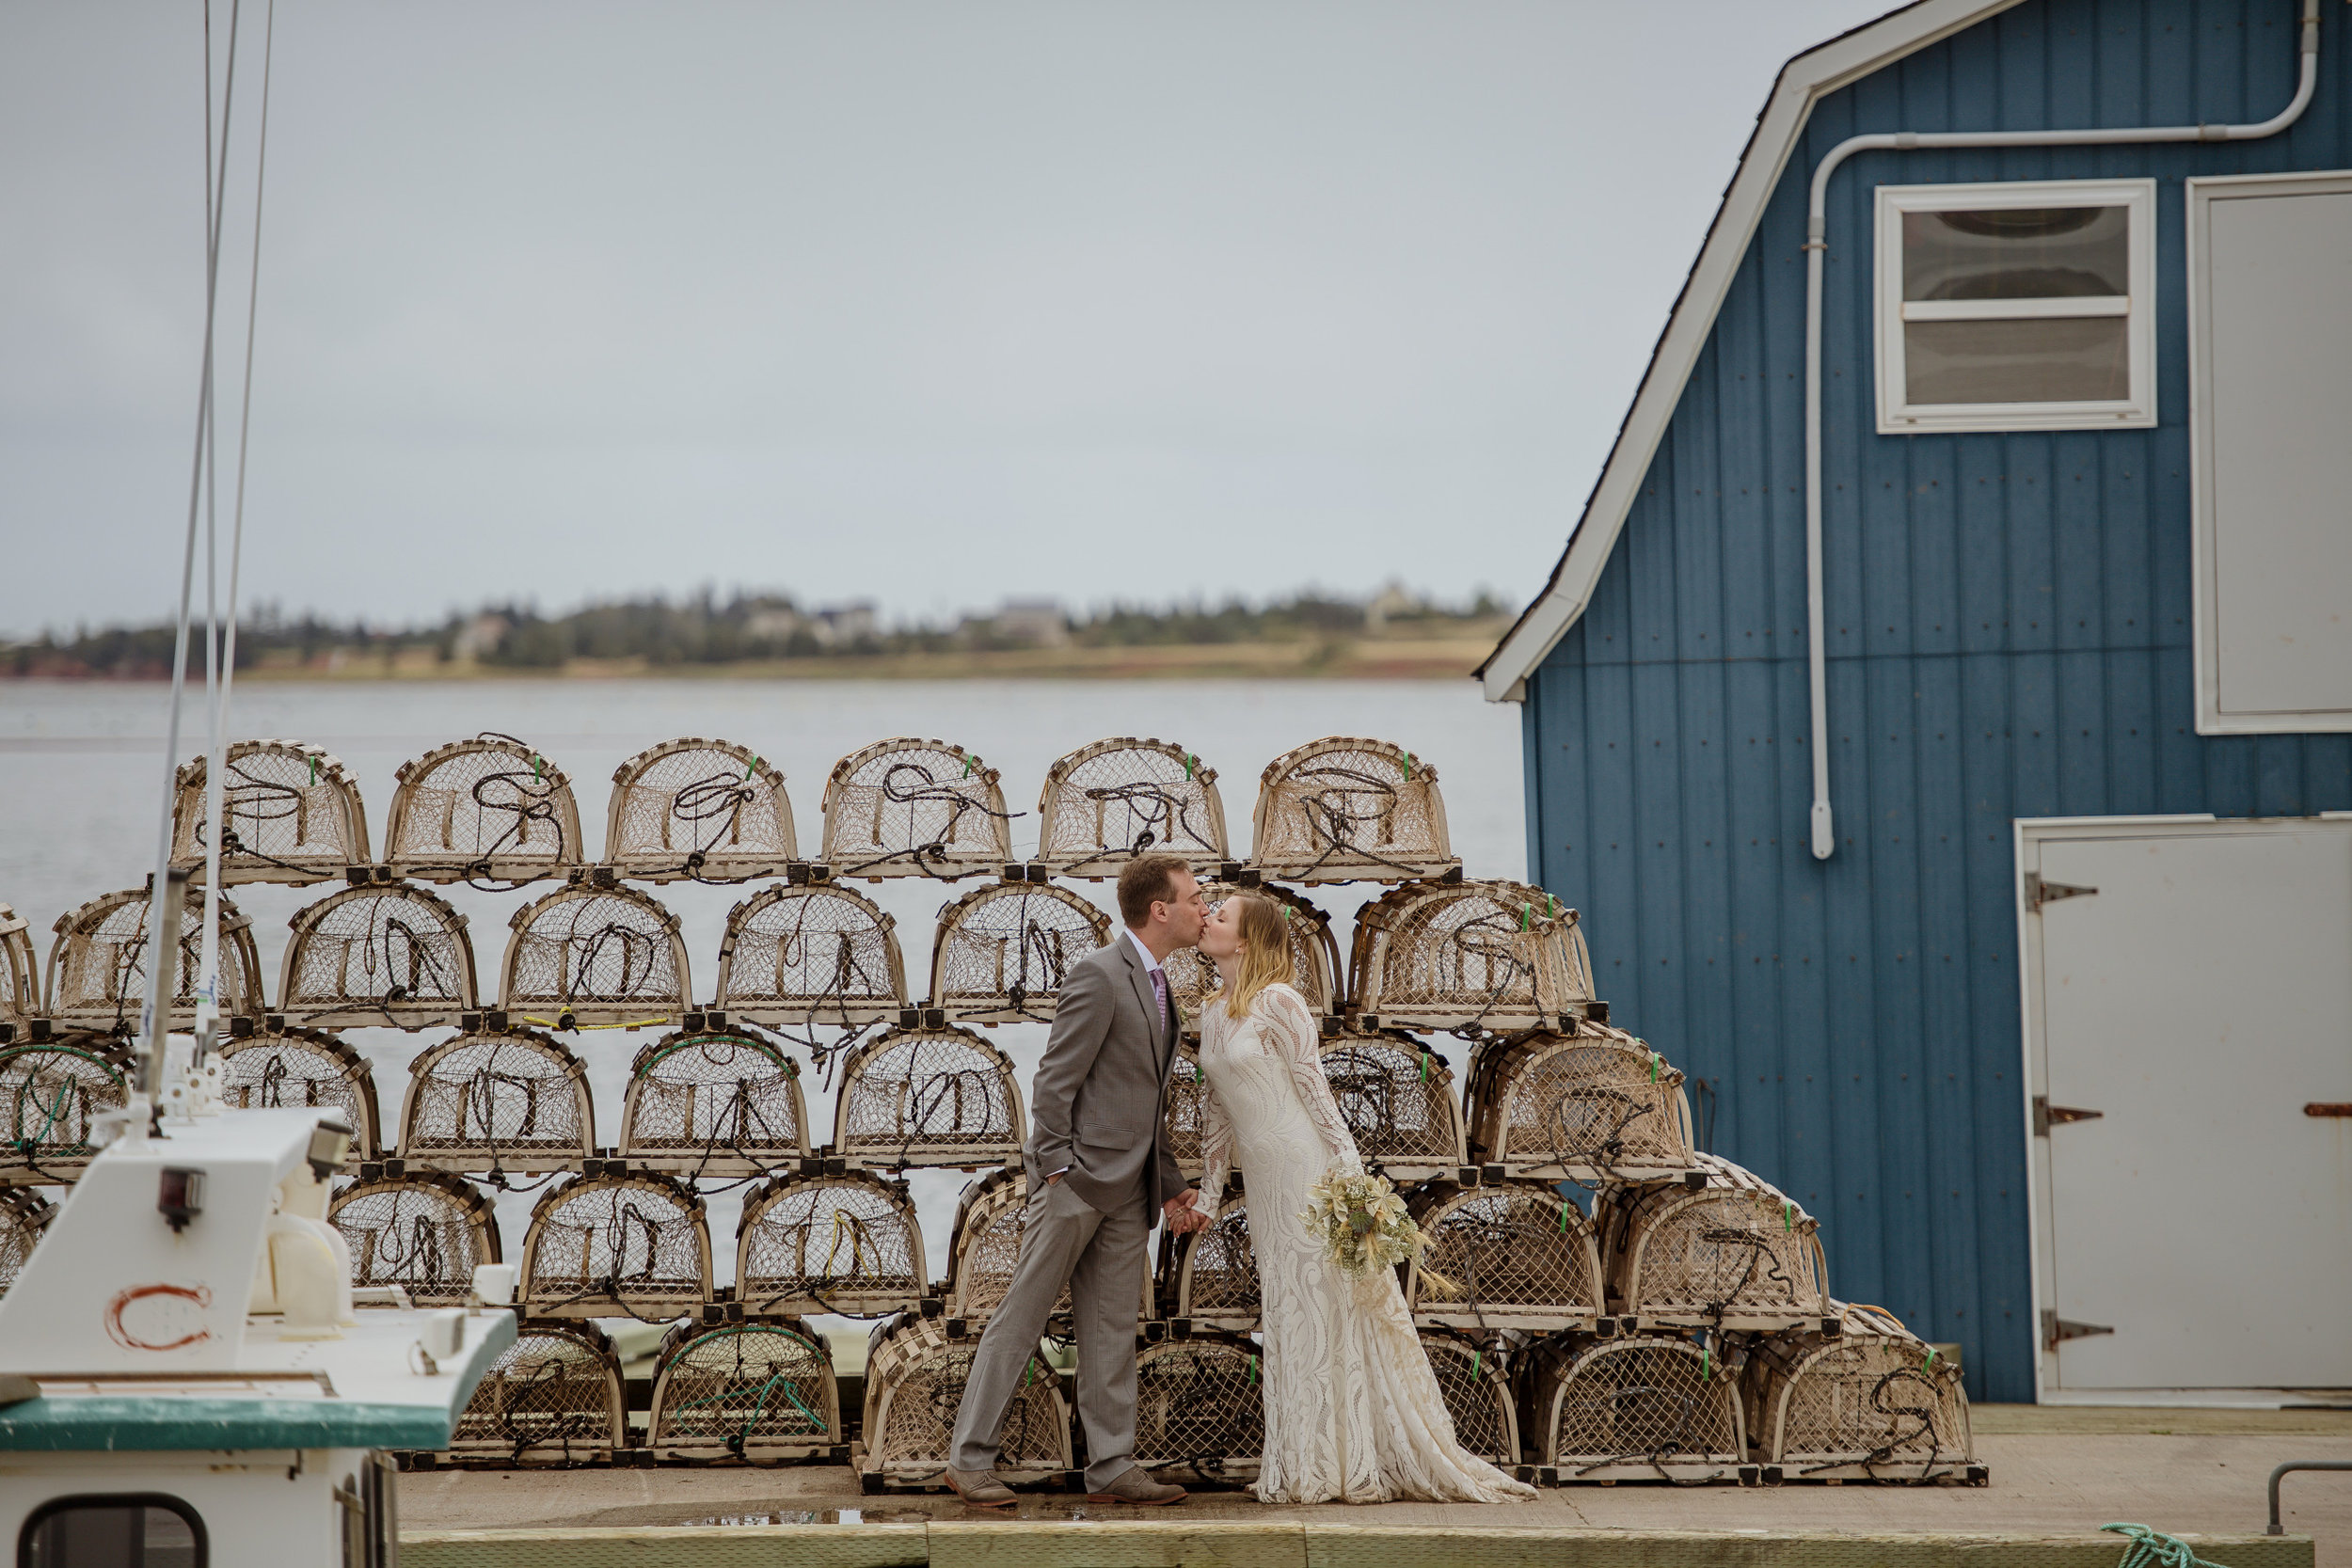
(1360, 1222)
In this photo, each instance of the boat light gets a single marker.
(331, 1140)
(180, 1198)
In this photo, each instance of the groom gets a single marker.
(1098, 1172)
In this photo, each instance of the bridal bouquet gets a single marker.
(1361, 1221)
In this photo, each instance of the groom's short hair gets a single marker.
(1145, 881)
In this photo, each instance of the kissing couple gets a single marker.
(1352, 1408)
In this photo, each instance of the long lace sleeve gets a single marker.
(1290, 1029)
(1216, 1148)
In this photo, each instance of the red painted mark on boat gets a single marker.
(159, 1317)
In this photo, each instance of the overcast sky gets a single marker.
(931, 303)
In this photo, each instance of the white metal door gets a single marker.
(2199, 1001)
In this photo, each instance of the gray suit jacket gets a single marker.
(1097, 1102)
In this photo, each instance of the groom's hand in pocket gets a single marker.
(1183, 1213)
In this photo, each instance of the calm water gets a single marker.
(82, 777)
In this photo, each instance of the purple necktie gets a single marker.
(1159, 993)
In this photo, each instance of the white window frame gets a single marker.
(1897, 416)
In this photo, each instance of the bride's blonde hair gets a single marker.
(1265, 953)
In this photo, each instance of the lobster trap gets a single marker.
(914, 1379)
(1212, 1275)
(1003, 951)
(289, 813)
(937, 1096)
(990, 1217)
(553, 1399)
(513, 1103)
(283, 1066)
(707, 810)
(98, 964)
(380, 954)
(1396, 1097)
(1200, 1409)
(490, 809)
(1492, 957)
(1650, 1408)
(1180, 1118)
(1731, 1251)
(849, 1243)
(25, 1214)
(1587, 1104)
(1106, 804)
(1348, 810)
(51, 1093)
(713, 1102)
(815, 954)
(20, 975)
(1314, 957)
(424, 1232)
(746, 1391)
(1509, 1255)
(1870, 1403)
(1478, 1396)
(915, 808)
(590, 955)
(630, 1243)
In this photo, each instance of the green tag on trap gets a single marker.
(1409, 764)
(1478, 1359)
(1253, 1371)
(538, 766)
(315, 769)
(969, 763)
(1190, 762)
(752, 769)
(1930, 1361)
(1788, 1215)
(1706, 1365)
(1424, 1067)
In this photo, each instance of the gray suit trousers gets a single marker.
(1101, 1257)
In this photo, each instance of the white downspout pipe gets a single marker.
(1816, 244)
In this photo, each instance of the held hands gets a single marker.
(1183, 1213)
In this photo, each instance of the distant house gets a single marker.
(1040, 622)
(771, 623)
(1962, 794)
(843, 625)
(479, 635)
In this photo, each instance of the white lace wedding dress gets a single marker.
(1352, 1409)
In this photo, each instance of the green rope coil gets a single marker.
(2152, 1548)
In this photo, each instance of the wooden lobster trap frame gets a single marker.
(850, 1244)
(620, 1242)
(708, 811)
(51, 1092)
(588, 955)
(383, 953)
(25, 1214)
(1200, 1409)
(749, 1392)
(720, 1103)
(1350, 810)
(1181, 1117)
(1478, 1396)
(811, 955)
(98, 964)
(1649, 1408)
(1507, 1254)
(1732, 1252)
(916, 808)
(1314, 956)
(1212, 1275)
(554, 1399)
(990, 1217)
(510, 1104)
(940, 1096)
(915, 1380)
(1871, 1403)
(290, 812)
(1106, 804)
(1585, 1104)
(1003, 951)
(1397, 1096)
(490, 809)
(424, 1232)
(282, 1065)
(20, 975)
(1496, 956)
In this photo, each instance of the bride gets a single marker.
(1352, 1409)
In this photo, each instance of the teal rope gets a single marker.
(2152, 1548)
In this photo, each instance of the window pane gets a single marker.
(2017, 253)
(101, 1534)
(2078, 359)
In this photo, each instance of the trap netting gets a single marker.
(490, 809)
(23, 1216)
(713, 1102)
(927, 1097)
(424, 1232)
(1736, 1253)
(1201, 1408)
(594, 955)
(1314, 957)
(1180, 1122)
(745, 1391)
(915, 1378)
(1003, 951)
(511, 1104)
(614, 1245)
(20, 975)
(383, 953)
(98, 964)
(849, 1243)
(554, 1398)
(819, 953)
(289, 813)
(916, 808)
(1585, 1105)
(1478, 1396)
(1214, 1272)
(274, 1067)
(51, 1092)
(710, 810)
(1510, 1255)
(1871, 1403)
(1643, 1409)
(1397, 1096)
(1496, 956)
(1106, 804)
(1350, 810)
(989, 1218)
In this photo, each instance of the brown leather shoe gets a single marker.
(1136, 1487)
(981, 1488)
